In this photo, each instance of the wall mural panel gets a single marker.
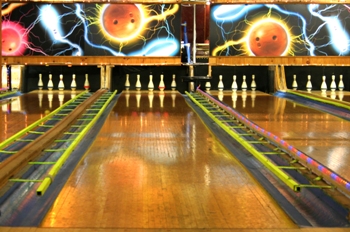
(30, 29)
(279, 30)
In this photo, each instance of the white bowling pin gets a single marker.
(161, 83)
(220, 84)
(50, 83)
(234, 85)
(333, 84)
(86, 82)
(60, 83)
(138, 82)
(207, 86)
(244, 84)
(150, 83)
(308, 83)
(341, 83)
(173, 83)
(253, 84)
(40, 82)
(73, 85)
(127, 82)
(295, 83)
(323, 85)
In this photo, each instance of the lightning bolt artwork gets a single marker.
(279, 30)
(90, 29)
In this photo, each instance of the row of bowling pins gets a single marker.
(73, 85)
(234, 85)
(150, 86)
(333, 86)
(150, 99)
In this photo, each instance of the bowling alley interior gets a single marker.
(170, 115)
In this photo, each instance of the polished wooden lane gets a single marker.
(155, 165)
(21, 111)
(322, 136)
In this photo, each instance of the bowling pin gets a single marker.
(150, 99)
(221, 95)
(173, 83)
(308, 83)
(253, 84)
(40, 83)
(86, 83)
(161, 99)
(220, 84)
(234, 99)
(138, 83)
(150, 83)
(207, 86)
(73, 85)
(50, 83)
(234, 85)
(295, 83)
(127, 82)
(244, 84)
(161, 83)
(333, 84)
(341, 83)
(323, 85)
(173, 97)
(244, 98)
(60, 83)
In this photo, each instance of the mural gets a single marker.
(90, 29)
(280, 30)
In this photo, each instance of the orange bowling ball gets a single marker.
(268, 38)
(122, 21)
(11, 41)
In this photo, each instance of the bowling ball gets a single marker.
(122, 21)
(268, 38)
(11, 41)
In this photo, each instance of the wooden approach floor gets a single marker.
(155, 167)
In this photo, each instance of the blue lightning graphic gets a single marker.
(51, 21)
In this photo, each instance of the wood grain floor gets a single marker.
(154, 165)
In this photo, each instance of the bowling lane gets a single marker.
(154, 164)
(322, 136)
(21, 111)
(336, 95)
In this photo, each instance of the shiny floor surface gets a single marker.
(322, 136)
(155, 165)
(21, 111)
